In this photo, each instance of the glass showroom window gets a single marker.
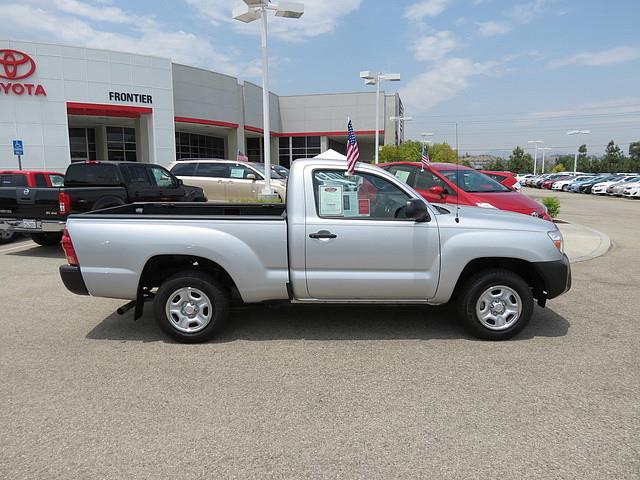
(292, 148)
(193, 145)
(254, 149)
(82, 143)
(121, 144)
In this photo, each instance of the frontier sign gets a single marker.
(16, 66)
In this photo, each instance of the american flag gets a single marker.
(241, 157)
(425, 160)
(353, 152)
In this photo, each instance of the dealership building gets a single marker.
(71, 104)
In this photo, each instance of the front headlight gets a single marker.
(484, 205)
(556, 238)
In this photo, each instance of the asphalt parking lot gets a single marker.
(331, 392)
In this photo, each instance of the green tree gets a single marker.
(442, 152)
(558, 168)
(613, 160)
(408, 151)
(633, 160)
(519, 161)
(498, 165)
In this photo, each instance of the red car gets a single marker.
(26, 179)
(31, 179)
(507, 179)
(443, 182)
(549, 183)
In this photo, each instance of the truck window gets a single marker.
(361, 196)
(136, 175)
(95, 174)
(162, 177)
(215, 170)
(426, 179)
(404, 173)
(13, 180)
(40, 180)
(56, 180)
(184, 169)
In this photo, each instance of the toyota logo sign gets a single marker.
(15, 65)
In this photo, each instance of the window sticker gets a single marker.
(237, 172)
(402, 175)
(331, 200)
(364, 207)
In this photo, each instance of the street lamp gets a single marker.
(535, 157)
(544, 149)
(255, 10)
(577, 132)
(399, 119)
(374, 78)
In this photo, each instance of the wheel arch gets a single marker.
(160, 267)
(526, 270)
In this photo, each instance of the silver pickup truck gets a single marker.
(361, 238)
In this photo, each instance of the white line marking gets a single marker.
(25, 244)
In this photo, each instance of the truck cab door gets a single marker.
(168, 187)
(360, 245)
(139, 183)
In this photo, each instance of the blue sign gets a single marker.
(18, 148)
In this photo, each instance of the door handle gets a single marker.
(322, 234)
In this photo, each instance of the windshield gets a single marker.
(473, 182)
(274, 175)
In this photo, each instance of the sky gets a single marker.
(506, 72)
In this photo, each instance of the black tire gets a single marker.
(565, 188)
(478, 284)
(217, 295)
(46, 239)
(7, 236)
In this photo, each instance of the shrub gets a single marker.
(553, 205)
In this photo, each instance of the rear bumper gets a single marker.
(39, 226)
(556, 276)
(72, 279)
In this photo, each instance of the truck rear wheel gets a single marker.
(191, 307)
(495, 304)
(46, 239)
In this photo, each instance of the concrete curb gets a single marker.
(584, 243)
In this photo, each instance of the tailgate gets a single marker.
(29, 203)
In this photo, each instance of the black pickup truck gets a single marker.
(93, 185)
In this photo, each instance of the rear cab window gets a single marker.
(56, 180)
(136, 175)
(13, 180)
(98, 174)
(41, 181)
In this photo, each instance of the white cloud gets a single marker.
(492, 28)
(320, 17)
(48, 22)
(442, 82)
(526, 12)
(434, 47)
(601, 58)
(426, 8)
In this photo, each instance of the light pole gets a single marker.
(374, 78)
(535, 156)
(577, 132)
(424, 136)
(400, 119)
(544, 149)
(257, 9)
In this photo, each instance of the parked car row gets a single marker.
(40, 210)
(616, 184)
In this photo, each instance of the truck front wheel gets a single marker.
(191, 307)
(495, 304)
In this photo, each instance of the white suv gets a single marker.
(228, 180)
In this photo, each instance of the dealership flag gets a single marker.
(241, 157)
(424, 161)
(353, 153)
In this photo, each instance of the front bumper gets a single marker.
(31, 226)
(556, 276)
(72, 279)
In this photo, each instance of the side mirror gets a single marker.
(417, 210)
(437, 190)
(180, 182)
(251, 176)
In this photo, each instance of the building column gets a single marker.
(145, 146)
(275, 154)
(232, 145)
(324, 144)
(101, 143)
